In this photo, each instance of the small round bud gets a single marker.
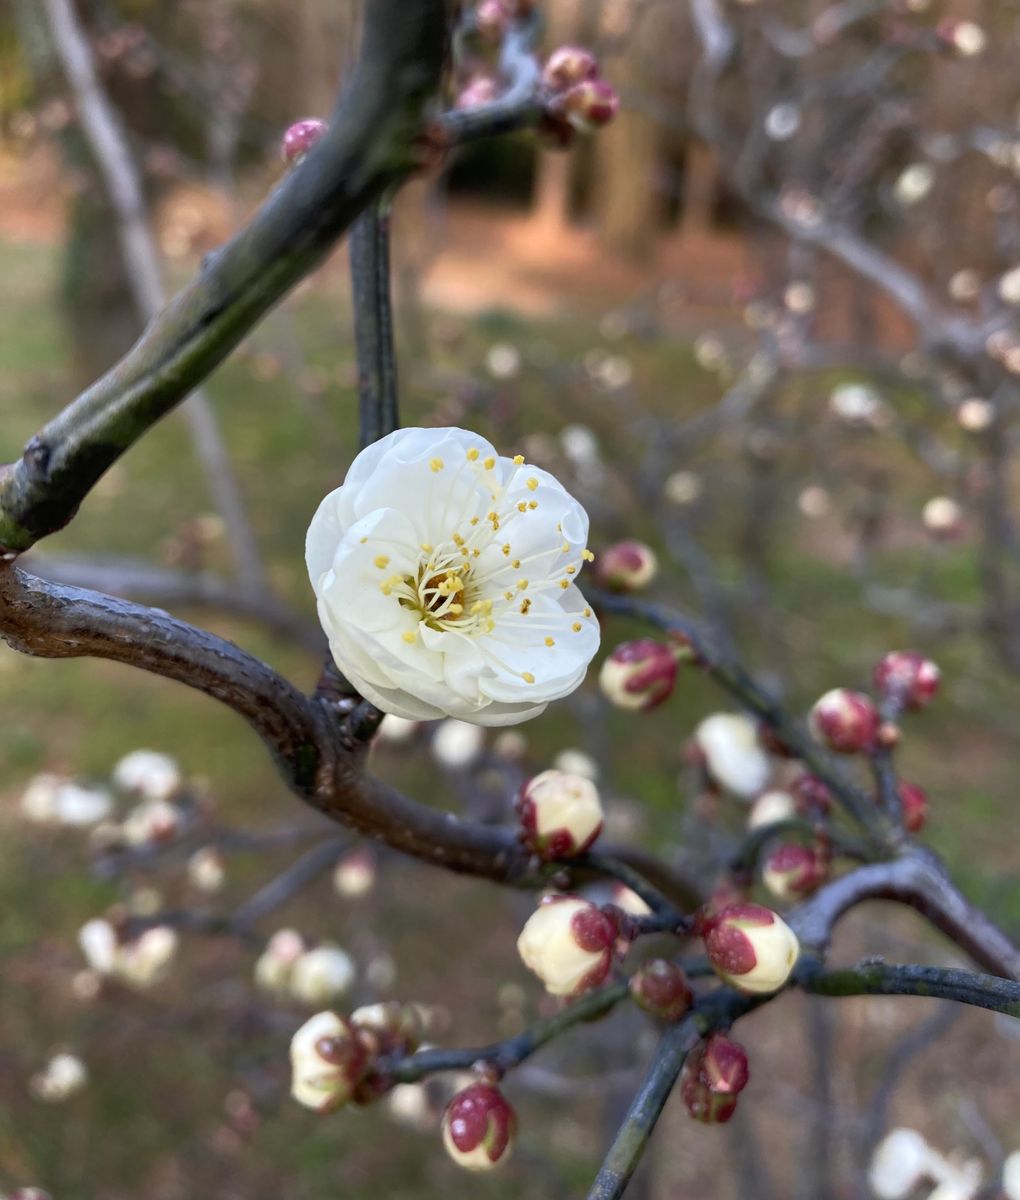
(276, 963)
(207, 870)
(1011, 1176)
(568, 66)
(751, 948)
(811, 796)
(942, 517)
(1008, 286)
(300, 138)
(355, 874)
(975, 415)
(639, 675)
(147, 960)
(791, 871)
(627, 566)
(148, 775)
(561, 815)
(477, 92)
(478, 1127)
(150, 822)
(964, 37)
(492, 20)
(733, 754)
(715, 1073)
(328, 1061)
(661, 988)
(390, 1027)
(908, 678)
(456, 745)
(914, 803)
(588, 106)
(568, 943)
(899, 1164)
(63, 1077)
(845, 721)
(321, 975)
(770, 809)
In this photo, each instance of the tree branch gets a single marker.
(944, 983)
(379, 406)
(369, 146)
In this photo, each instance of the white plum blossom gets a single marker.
(733, 754)
(148, 774)
(275, 964)
(139, 963)
(1011, 1176)
(445, 580)
(51, 800)
(899, 1164)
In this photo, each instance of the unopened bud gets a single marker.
(151, 821)
(751, 948)
(627, 566)
(147, 960)
(328, 1061)
(63, 1077)
(478, 1127)
(791, 871)
(908, 678)
(207, 870)
(845, 721)
(568, 66)
(492, 20)
(561, 814)
(589, 105)
(964, 37)
(639, 675)
(715, 1073)
(355, 874)
(568, 943)
(276, 963)
(662, 988)
(733, 755)
(914, 804)
(811, 796)
(390, 1027)
(771, 808)
(479, 91)
(148, 774)
(300, 138)
(942, 517)
(321, 975)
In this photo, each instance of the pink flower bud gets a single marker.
(914, 802)
(589, 105)
(568, 943)
(791, 871)
(908, 678)
(328, 1061)
(300, 138)
(639, 675)
(567, 66)
(561, 814)
(662, 988)
(751, 948)
(478, 91)
(627, 566)
(713, 1076)
(478, 1127)
(845, 721)
(492, 20)
(811, 796)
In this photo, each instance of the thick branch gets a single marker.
(378, 400)
(369, 146)
(944, 983)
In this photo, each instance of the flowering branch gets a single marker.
(369, 146)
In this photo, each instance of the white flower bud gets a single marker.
(576, 762)
(355, 874)
(147, 774)
(1009, 286)
(151, 821)
(751, 947)
(1011, 1176)
(899, 1164)
(147, 960)
(770, 808)
(321, 975)
(478, 1128)
(98, 942)
(733, 753)
(914, 183)
(568, 943)
(62, 1077)
(274, 966)
(942, 516)
(975, 414)
(561, 814)
(397, 730)
(78, 806)
(207, 870)
(327, 1060)
(39, 799)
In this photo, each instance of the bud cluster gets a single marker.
(139, 962)
(577, 98)
(287, 967)
(715, 1073)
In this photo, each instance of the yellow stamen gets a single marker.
(587, 556)
(506, 549)
(532, 504)
(522, 585)
(437, 465)
(532, 485)
(427, 547)
(522, 507)
(564, 583)
(527, 677)
(410, 637)
(577, 627)
(549, 642)
(382, 561)
(489, 464)
(518, 460)
(473, 454)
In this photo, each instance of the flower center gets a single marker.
(441, 596)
